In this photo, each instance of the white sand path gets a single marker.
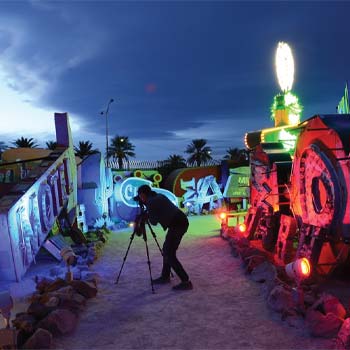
(224, 310)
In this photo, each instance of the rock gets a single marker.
(89, 276)
(86, 289)
(253, 262)
(343, 338)
(309, 298)
(320, 325)
(57, 284)
(38, 309)
(34, 297)
(329, 303)
(247, 252)
(74, 303)
(67, 290)
(42, 283)
(60, 321)
(242, 242)
(25, 322)
(41, 339)
(267, 287)
(281, 299)
(263, 272)
(53, 302)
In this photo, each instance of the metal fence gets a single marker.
(150, 164)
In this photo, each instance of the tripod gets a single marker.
(140, 230)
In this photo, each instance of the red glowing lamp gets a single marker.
(299, 269)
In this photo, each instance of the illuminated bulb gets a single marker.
(131, 224)
(305, 267)
(284, 66)
(242, 227)
(222, 216)
(299, 269)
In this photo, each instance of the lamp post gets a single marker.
(106, 114)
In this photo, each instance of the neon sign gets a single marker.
(127, 190)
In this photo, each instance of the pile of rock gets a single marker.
(53, 310)
(303, 306)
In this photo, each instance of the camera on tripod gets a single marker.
(141, 218)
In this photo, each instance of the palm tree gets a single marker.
(121, 148)
(25, 143)
(237, 155)
(51, 145)
(84, 149)
(175, 161)
(199, 152)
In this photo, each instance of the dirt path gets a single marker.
(224, 311)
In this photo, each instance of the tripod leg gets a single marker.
(148, 262)
(155, 238)
(124, 259)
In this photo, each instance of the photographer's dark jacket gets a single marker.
(161, 210)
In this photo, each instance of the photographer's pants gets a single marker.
(172, 242)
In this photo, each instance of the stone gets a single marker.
(247, 252)
(320, 325)
(263, 272)
(267, 287)
(329, 303)
(90, 277)
(59, 322)
(25, 322)
(281, 299)
(65, 290)
(38, 309)
(53, 302)
(57, 284)
(42, 283)
(41, 339)
(74, 303)
(253, 262)
(86, 289)
(343, 338)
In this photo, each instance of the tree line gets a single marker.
(121, 148)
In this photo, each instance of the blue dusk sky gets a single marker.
(177, 70)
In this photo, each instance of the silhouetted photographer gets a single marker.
(161, 210)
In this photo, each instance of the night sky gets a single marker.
(176, 70)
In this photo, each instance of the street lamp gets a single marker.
(106, 114)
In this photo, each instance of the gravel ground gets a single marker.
(224, 310)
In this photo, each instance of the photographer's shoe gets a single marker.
(161, 280)
(184, 286)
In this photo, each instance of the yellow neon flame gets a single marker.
(284, 66)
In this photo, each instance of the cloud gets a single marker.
(31, 63)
